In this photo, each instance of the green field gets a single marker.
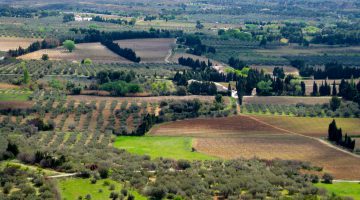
(14, 95)
(159, 146)
(72, 188)
(342, 189)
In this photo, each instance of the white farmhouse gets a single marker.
(79, 18)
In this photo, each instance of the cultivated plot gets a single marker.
(95, 51)
(12, 43)
(150, 50)
(248, 137)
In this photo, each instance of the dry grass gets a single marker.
(270, 68)
(8, 43)
(8, 86)
(316, 127)
(285, 100)
(150, 50)
(95, 51)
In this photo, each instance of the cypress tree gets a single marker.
(315, 90)
(303, 88)
(334, 92)
(332, 131)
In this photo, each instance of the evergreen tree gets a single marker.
(334, 91)
(315, 91)
(303, 88)
(332, 131)
(26, 75)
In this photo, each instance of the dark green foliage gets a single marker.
(68, 17)
(40, 124)
(335, 103)
(327, 178)
(123, 52)
(108, 76)
(113, 21)
(236, 63)
(335, 135)
(120, 88)
(202, 88)
(45, 44)
(279, 72)
(147, 122)
(315, 91)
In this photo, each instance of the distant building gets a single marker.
(79, 18)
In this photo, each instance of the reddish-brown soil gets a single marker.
(248, 137)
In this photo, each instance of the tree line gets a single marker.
(44, 44)
(332, 70)
(123, 52)
(93, 35)
(335, 135)
(113, 21)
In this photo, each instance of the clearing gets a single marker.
(160, 146)
(95, 51)
(72, 188)
(342, 189)
(12, 43)
(150, 50)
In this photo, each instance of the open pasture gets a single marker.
(285, 100)
(95, 51)
(150, 50)
(342, 189)
(161, 146)
(9, 43)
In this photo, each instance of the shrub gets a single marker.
(327, 178)
(183, 164)
(104, 173)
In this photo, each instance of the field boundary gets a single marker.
(298, 134)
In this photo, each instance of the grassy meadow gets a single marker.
(72, 188)
(342, 189)
(160, 146)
